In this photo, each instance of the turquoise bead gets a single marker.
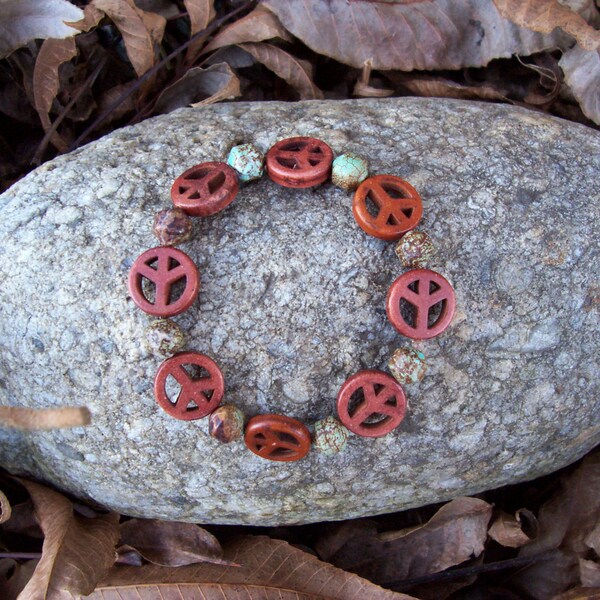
(348, 170)
(330, 436)
(248, 161)
(407, 365)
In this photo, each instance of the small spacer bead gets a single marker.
(407, 365)
(348, 170)
(248, 161)
(415, 250)
(330, 436)
(226, 423)
(164, 337)
(172, 226)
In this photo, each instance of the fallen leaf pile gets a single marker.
(73, 71)
(54, 548)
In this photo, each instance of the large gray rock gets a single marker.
(292, 303)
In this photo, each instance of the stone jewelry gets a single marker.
(164, 282)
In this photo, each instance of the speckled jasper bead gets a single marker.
(226, 423)
(407, 365)
(348, 170)
(330, 436)
(248, 161)
(415, 250)
(164, 337)
(172, 227)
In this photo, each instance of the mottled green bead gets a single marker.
(164, 337)
(330, 436)
(415, 250)
(348, 170)
(407, 365)
(226, 423)
(248, 161)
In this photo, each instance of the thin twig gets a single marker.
(500, 565)
(37, 157)
(148, 74)
(21, 555)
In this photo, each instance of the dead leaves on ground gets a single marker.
(467, 547)
(115, 72)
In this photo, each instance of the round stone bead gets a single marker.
(330, 436)
(348, 170)
(248, 161)
(415, 250)
(172, 226)
(407, 365)
(164, 337)
(226, 424)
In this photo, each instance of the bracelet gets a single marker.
(165, 282)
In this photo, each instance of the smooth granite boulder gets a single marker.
(292, 303)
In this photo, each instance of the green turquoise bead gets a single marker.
(407, 365)
(248, 161)
(330, 436)
(348, 170)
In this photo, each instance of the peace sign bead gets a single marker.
(371, 403)
(299, 162)
(276, 437)
(164, 267)
(205, 189)
(398, 205)
(198, 396)
(423, 290)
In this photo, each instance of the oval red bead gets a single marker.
(398, 206)
(299, 162)
(205, 189)
(164, 267)
(276, 437)
(423, 290)
(198, 396)
(371, 403)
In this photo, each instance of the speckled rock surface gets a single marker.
(293, 302)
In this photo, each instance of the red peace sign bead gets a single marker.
(299, 162)
(205, 189)
(164, 267)
(276, 437)
(198, 396)
(371, 403)
(423, 290)
(399, 207)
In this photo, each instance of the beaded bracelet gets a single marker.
(420, 303)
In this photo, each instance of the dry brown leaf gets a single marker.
(546, 15)
(592, 540)
(580, 593)
(171, 544)
(91, 17)
(439, 87)
(138, 28)
(364, 88)
(201, 13)
(570, 515)
(268, 569)
(14, 577)
(44, 418)
(437, 34)
(507, 530)
(5, 508)
(457, 532)
(77, 551)
(582, 75)
(22, 521)
(296, 72)
(589, 572)
(46, 83)
(198, 87)
(259, 25)
(22, 21)
(111, 95)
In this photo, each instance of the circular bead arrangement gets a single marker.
(164, 282)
